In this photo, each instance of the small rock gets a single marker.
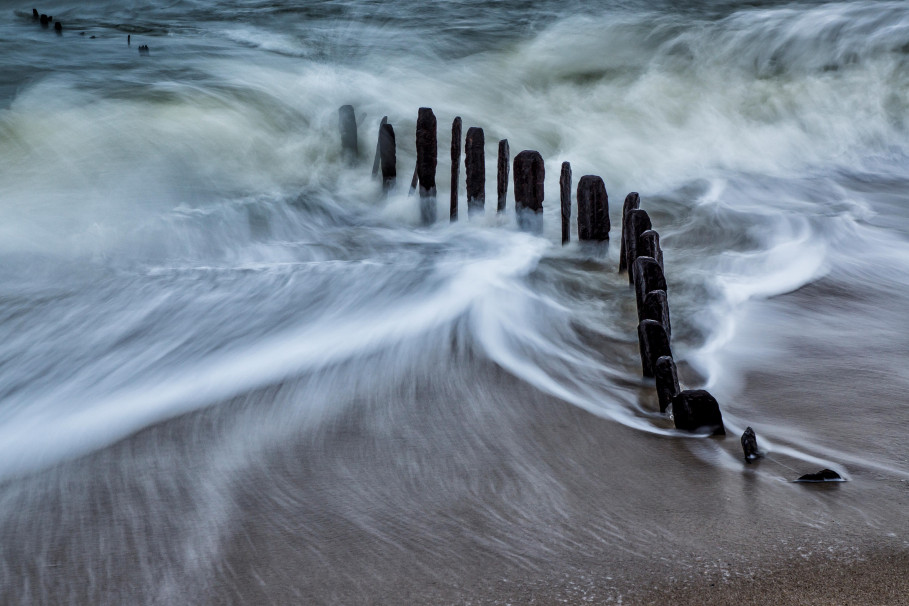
(825, 475)
(749, 445)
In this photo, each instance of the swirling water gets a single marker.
(197, 292)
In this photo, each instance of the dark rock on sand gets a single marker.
(825, 475)
(667, 381)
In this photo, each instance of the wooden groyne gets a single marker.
(640, 255)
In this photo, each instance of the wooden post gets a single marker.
(647, 277)
(565, 191)
(455, 167)
(529, 176)
(502, 176)
(636, 222)
(654, 344)
(475, 168)
(667, 381)
(694, 409)
(649, 246)
(593, 209)
(376, 161)
(427, 157)
(347, 124)
(632, 202)
(388, 157)
(656, 307)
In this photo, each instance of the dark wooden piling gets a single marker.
(654, 344)
(749, 445)
(632, 202)
(35, 14)
(347, 124)
(502, 175)
(648, 276)
(565, 191)
(649, 246)
(58, 27)
(529, 176)
(593, 209)
(695, 409)
(667, 381)
(475, 169)
(455, 167)
(636, 222)
(44, 20)
(376, 163)
(427, 158)
(388, 156)
(656, 307)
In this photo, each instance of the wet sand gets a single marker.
(442, 491)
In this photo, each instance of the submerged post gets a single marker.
(347, 124)
(632, 202)
(502, 175)
(387, 156)
(565, 191)
(427, 157)
(475, 167)
(529, 175)
(455, 167)
(593, 209)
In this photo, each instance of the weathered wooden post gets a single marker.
(427, 157)
(632, 202)
(502, 175)
(654, 344)
(593, 209)
(656, 307)
(475, 168)
(649, 246)
(647, 277)
(694, 409)
(636, 222)
(565, 191)
(455, 167)
(667, 381)
(347, 124)
(529, 176)
(749, 445)
(376, 161)
(388, 156)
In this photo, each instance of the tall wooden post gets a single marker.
(475, 168)
(565, 191)
(502, 175)
(455, 167)
(593, 209)
(347, 124)
(529, 176)
(387, 156)
(427, 158)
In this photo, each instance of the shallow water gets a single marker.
(181, 235)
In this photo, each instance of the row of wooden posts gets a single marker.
(641, 255)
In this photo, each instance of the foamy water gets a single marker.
(180, 230)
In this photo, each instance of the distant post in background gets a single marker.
(529, 175)
(455, 167)
(427, 158)
(565, 191)
(593, 209)
(475, 168)
(347, 124)
(502, 175)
